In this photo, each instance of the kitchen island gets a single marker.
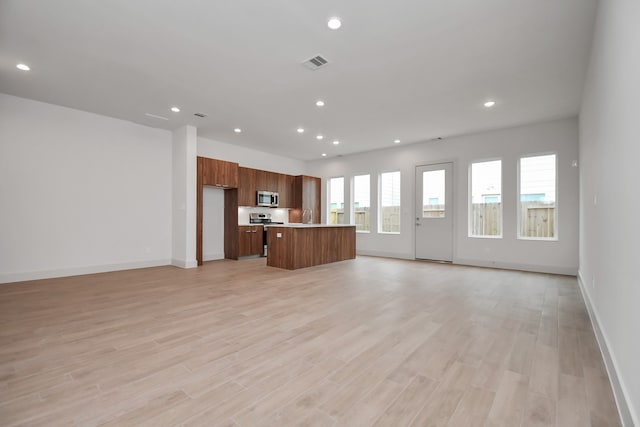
(294, 246)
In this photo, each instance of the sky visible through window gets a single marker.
(433, 187)
(486, 181)
(538, 178)
(390, 189)
(362, 191)
(336, 192)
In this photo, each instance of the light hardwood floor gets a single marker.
(365, 342)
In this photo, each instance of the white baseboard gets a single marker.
(385, 254)
(76, 271)
(567, 271)
(552, 269)
(626, 411)
(184, 263)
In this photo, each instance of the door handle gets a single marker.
(417, 223)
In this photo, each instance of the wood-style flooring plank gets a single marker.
(240, 344)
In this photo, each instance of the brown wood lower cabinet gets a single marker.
(250, 240)
(304, 246)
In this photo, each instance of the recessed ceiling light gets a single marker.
(396, 141)
(320, 103)
(175, 109)
(237, 130)
(489, 104)
(334, 23)
(336, 142)
(319, 137)
(300, 130)
(23, 67)
(324, 154)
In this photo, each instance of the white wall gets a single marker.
(250, 158)
(610, 205)
(80, 192)
(559, 136)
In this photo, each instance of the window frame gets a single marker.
(379, 220)
(353, 201)
(556, 231)
(470, 197)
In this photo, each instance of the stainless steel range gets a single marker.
(264, 219)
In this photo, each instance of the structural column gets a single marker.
(184, 197)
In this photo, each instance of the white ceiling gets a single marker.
(411, 69)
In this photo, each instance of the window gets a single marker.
(389, 215)
(485, 210)
(336, 201)
(433, 189)
(537, 212)
(361, 202)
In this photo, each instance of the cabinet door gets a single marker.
(246, 186)
(225, 174)
(228, 174)
(285, 189)
(261, 180)
(244, 240)
(205, 170)
(219, 173)
(272, 181)
(257, 246)
(311, 196)
(250, 240)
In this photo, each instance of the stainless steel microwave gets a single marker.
(268, 199)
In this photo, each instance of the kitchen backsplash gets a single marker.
(277, 214)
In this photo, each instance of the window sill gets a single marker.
(539, 239)
(363, 231)
(388, 232)
(485, 237)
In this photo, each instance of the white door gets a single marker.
(434, 212)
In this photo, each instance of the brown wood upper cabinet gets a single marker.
(246, 186)
(219, 173)
(252, 180)
(285, 190)
(266, 181)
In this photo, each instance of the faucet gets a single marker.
(307, 216)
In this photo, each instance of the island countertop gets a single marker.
(294, 246)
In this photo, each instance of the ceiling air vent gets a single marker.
(201, 115)
(155, 116)
(316, 62)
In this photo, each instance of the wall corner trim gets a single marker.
(625, 410)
